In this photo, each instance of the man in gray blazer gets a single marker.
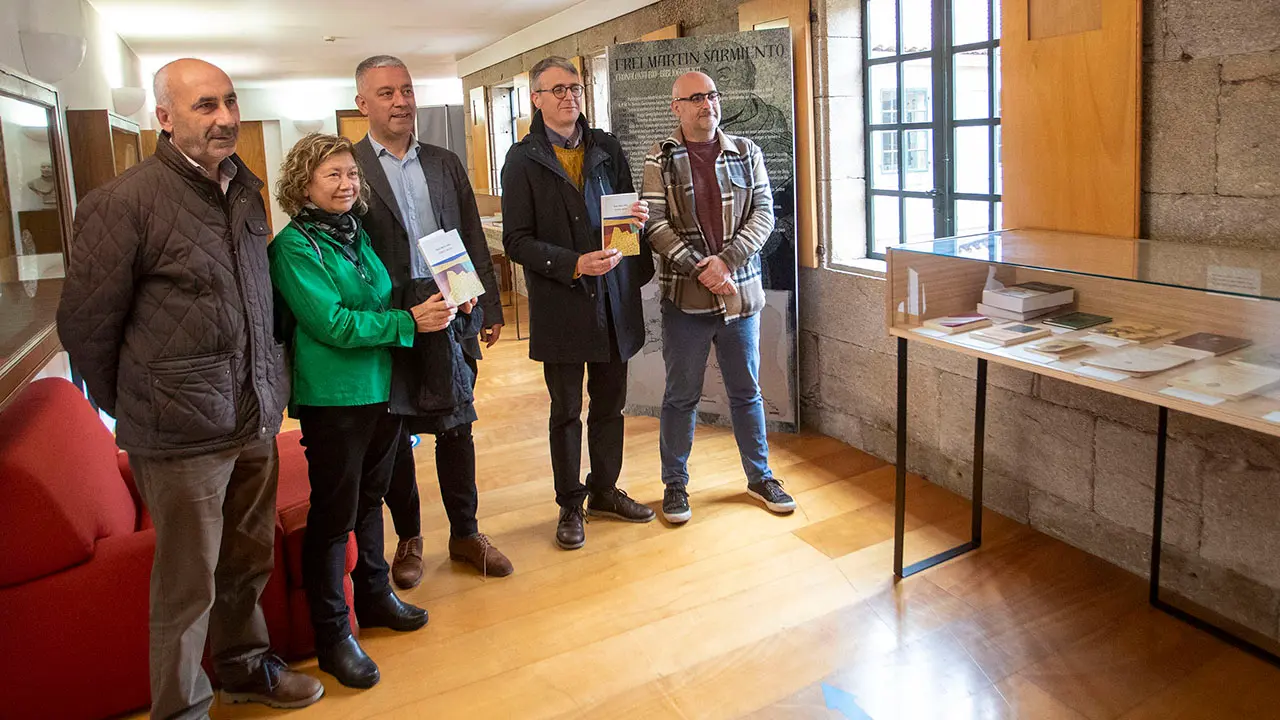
(418, 189)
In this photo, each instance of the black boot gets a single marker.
(570, 533)
(347, 662)
(390, 612)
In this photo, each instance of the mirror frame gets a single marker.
(39, 349)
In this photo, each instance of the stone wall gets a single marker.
(1076, 463)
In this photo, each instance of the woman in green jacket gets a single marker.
(341, 328)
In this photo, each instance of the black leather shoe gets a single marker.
(615, 503)
(571, 533)
(389, 611)
(347, 662)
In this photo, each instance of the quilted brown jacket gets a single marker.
(167, 308)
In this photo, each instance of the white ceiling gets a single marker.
(271, 40)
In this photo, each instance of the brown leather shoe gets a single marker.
(275, 685)
(477, 550)
(406, 568)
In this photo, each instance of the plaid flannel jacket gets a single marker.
(674, 233)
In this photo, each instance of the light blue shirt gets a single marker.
(409, 184)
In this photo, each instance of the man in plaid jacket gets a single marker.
(710, 213)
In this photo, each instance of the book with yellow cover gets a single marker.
(618, 228)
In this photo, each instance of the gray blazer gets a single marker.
(454, 203)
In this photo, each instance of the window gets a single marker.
(933, 169)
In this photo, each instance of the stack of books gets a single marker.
(1024, 301)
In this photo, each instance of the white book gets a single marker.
(1001, 314)
(451, 266)
(618, 227)
(1027, 297)
(1137, 361)
(1227, 381)
(1011, 334)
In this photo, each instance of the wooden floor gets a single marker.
(744, 614)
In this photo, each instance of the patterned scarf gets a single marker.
(344, 228)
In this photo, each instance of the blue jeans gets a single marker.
(686, 342)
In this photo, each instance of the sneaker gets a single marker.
(275, 685)
(769, 491)
(675, 505)
(617, 504)
(571, 532)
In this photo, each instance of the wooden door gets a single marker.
(352, 125)
(522, 102)
(6, 206)
(794, 14)
(1071, 105)
(252, 149)
(149, 138)
(478, 152)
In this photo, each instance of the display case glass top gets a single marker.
(1244, 272)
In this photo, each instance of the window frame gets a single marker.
(938, 132)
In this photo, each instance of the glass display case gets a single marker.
(1183, 327)
(1189, 327)
(35, 225)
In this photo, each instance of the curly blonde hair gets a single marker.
(303, 161)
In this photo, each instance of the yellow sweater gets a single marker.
(571, 161)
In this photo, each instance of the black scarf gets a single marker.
(344, 228)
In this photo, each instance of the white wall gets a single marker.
(108, 61)
(279, 105)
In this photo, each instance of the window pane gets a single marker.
(999, 216)
(999, 17)
(883, 98)
(884, 216)
(884, 160)
(997, 81)
(970, 21)
(917, 80)
(971, 154)
(917, 25)
(882, 28)
(971, 81)
(918, 159)
(972, 217)
(999, 161)
(919, 216)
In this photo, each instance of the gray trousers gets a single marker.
(215, 530)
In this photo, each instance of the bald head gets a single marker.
(196, 104)
(696, 104)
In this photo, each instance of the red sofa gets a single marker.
(76, 547)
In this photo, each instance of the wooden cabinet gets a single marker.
(103, 145)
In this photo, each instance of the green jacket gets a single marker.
(339, 348)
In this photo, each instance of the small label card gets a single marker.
(1272, 417)
(1194, 397)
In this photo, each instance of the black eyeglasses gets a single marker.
(560, 90)
(697, 98)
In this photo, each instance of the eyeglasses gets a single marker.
(697, 98)
(560, 90)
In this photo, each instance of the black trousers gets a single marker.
(349, 452)
(456, 471)
(607, 391)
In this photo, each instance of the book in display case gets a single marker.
(1185, 327)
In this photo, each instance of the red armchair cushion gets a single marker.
(93, 617)
(60, 485)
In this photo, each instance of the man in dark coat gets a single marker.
(418, 189)
(585, 315)
(167, 315)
